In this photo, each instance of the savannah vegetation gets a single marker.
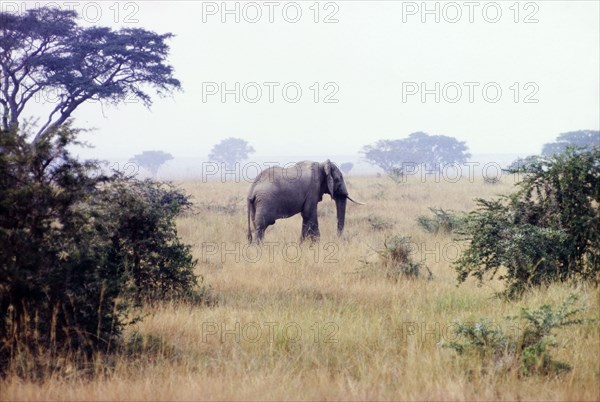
(117, 288)
(364, 334)
(80, 250)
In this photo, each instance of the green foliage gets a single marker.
(78, 250)
(395, 260)
(442, 221)
(548, 230)
(527, 349)
(59, 284)
(145, 237)
(151, 160)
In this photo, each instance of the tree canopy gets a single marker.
(431, 150)
(581, 139)
(230, 151)
(346, 167)
(152, 160)
(44, 49)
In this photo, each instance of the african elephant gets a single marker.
(283, 192)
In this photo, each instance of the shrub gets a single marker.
(527, 350)
(548, 230)
(395, 260)
(397, 175)
(444, 221)
(491, 180)
(378, 223)
(59, 281)
(145, 238)
(78, 251)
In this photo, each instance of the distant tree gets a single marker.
(433, 151)
(581, 138)
(230, 151)
(151, 160)
(346, 167)
(44, 50)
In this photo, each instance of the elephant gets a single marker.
(283, 192)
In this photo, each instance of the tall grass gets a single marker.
(325, 332)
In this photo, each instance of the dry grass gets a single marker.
(352, 339)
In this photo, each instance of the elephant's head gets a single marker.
(335, 186)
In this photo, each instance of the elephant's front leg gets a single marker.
(310, 225)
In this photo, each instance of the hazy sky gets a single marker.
(374, 61)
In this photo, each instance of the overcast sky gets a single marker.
(371, 61)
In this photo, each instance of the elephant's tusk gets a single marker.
(356, 202)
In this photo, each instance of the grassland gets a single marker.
(296, 322)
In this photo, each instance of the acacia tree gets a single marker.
(152, 160)
(581, 138)
(45, 49)
(546, 231)
(431, 150)
(230, 151)
(346, 167)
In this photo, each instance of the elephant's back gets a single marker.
(278, 180)
(265, 180)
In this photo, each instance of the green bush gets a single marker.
(78, 250)
(442, 221)
(527, 349)
(548, 230)
(395, 260)
(145, 238)
(378, 223)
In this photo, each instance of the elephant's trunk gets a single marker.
(340, 206)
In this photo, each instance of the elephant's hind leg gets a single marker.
(310, 226)
(261, 223)
(260, 234)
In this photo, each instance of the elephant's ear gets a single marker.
(327, 169)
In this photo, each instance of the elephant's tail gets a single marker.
(250, 208)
